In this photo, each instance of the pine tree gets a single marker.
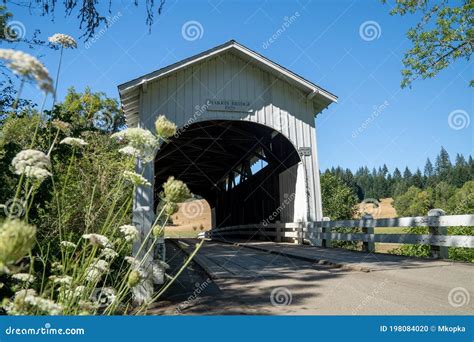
(397, 175)
(443, 165)
(428, 168)
(417, 179)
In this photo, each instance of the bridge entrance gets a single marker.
(246, 171)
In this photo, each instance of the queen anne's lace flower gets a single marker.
(24, 277)
(77, 142)
(97, 240)
(164, 128)
(135, 178)
(96, 269)
(28, 302)
(61, 280)
(108, 254)
(75, 292)
(175, 191)
(141, 140)
(64, 40)
(68, 244)
(61, 125)
(29, 67)
(32, 163)
(130, 151)
(16, 240)
(130, 232)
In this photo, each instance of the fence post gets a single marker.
(368, 246)
(438, 252)
(326, 242)
(278, 232)
(299, 230)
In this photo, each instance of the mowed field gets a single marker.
(384, 209)
(194, 217)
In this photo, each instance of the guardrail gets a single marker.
(319, 233)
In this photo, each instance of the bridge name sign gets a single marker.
(229, 106)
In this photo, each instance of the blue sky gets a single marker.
(374, 122)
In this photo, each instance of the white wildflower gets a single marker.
(75, 293)
(32, 163)
(97, 240)
(61, 125)
(24, 277)
(164, 128)
(135, 178)
(175, 191)
(29, 67)
(68, 244)
(64, 40)
(130, 232)
(130, 151)
(28, 302)
(134, 262)
(95, 270)
(108, 254)
(142, 140)
(76, 142)
(61, 280)
(57, 267)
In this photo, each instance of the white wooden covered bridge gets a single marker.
(246, 140)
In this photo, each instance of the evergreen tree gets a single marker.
(397, 175)
(407, 175)
(429, 171)
(443, 165)
(417, 179)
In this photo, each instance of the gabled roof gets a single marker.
(129, 91)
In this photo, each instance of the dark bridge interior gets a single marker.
(234, 165)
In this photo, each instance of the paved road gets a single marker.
(255, 281)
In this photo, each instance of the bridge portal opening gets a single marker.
(247, 172)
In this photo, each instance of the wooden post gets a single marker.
(278, 232)
(299, 233)
(326, 242)
(438, 252)
(368, 246)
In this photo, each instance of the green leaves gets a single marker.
(443, 35)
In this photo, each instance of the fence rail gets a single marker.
(320, 233)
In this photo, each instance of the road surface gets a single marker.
(233, 279)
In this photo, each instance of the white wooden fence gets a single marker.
(320, 233)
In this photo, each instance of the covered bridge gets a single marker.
(246, 141)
